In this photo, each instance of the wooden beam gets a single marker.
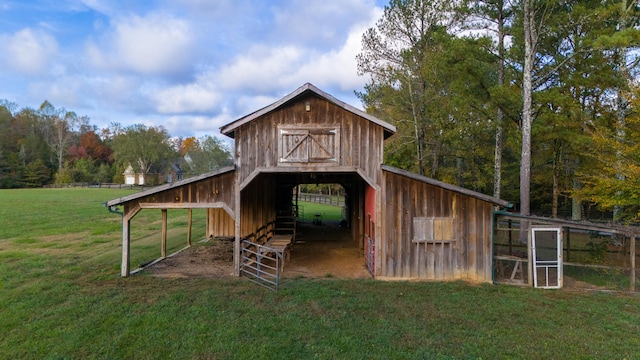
(530, 268)
(608, 228)
(304, 169)
(163, 250)
(215, 205)
(129, 213)
(238, 193)
(632, 253)
(189, 223)
(126, 237)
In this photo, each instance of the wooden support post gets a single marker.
(164, 234)
(126, 237)
(128, 214)
(189, 222)
(236, 243)
(530, 268)
(510, 238)
(632, 252)
(568, 244)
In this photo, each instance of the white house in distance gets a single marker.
(131, 177)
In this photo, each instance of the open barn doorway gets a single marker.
(322, 204)
(326, 243)
(327, 209)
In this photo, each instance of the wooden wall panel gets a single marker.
(257, 203)
(218, 189)
(467, 256)
(219, 223)
(361, 140)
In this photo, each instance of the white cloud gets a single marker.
(188, 98)
(189, 65)
(198, 126)
(98, 5)
(338, 67)
(28, 51)
(155, 44)
(317, 23)
(262, 69)
(267, 69)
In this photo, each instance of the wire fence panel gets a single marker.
(594, 256)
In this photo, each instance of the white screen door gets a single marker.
(546, 246)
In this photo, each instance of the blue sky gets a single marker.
(188, 65)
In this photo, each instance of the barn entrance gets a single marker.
(325, 241)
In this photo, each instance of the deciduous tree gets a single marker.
(145, 148)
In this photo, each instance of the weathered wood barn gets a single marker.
(408, 226)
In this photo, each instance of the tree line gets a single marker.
(53, 145)
(533, 101)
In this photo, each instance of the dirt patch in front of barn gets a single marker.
(326, 251)
(209, 259)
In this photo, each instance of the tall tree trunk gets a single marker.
(621, 114)
(497, 164)
(460, 170)
(530, 38)
(622, 100)
(556, 188)
(576, 204)
(418, 130)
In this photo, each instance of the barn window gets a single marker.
(433, 229)
(317, 144)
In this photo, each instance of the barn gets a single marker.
(408, 226)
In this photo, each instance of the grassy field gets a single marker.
(61, 297)
(327, 212)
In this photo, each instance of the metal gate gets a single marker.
(260, 264)
(546, 247)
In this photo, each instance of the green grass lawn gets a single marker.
(327, 212)
(61, 297)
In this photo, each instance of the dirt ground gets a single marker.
(320, 251)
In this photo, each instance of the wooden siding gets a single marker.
(219, 223)
(257, 204)
(214, 190)
(360, 143)
(406, 204)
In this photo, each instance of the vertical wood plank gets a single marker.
(126, 247)
(189, 223)
(431, 260)
(457, 232)
(440, 256)
(383, 237)
(237, 224)
(405, 239)
(529, 256)
(163, 250)
(397, 251)
(451, 262)
(421, 253)
(479, 273)
(208, 223)
(413, 211)
(471, 244)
